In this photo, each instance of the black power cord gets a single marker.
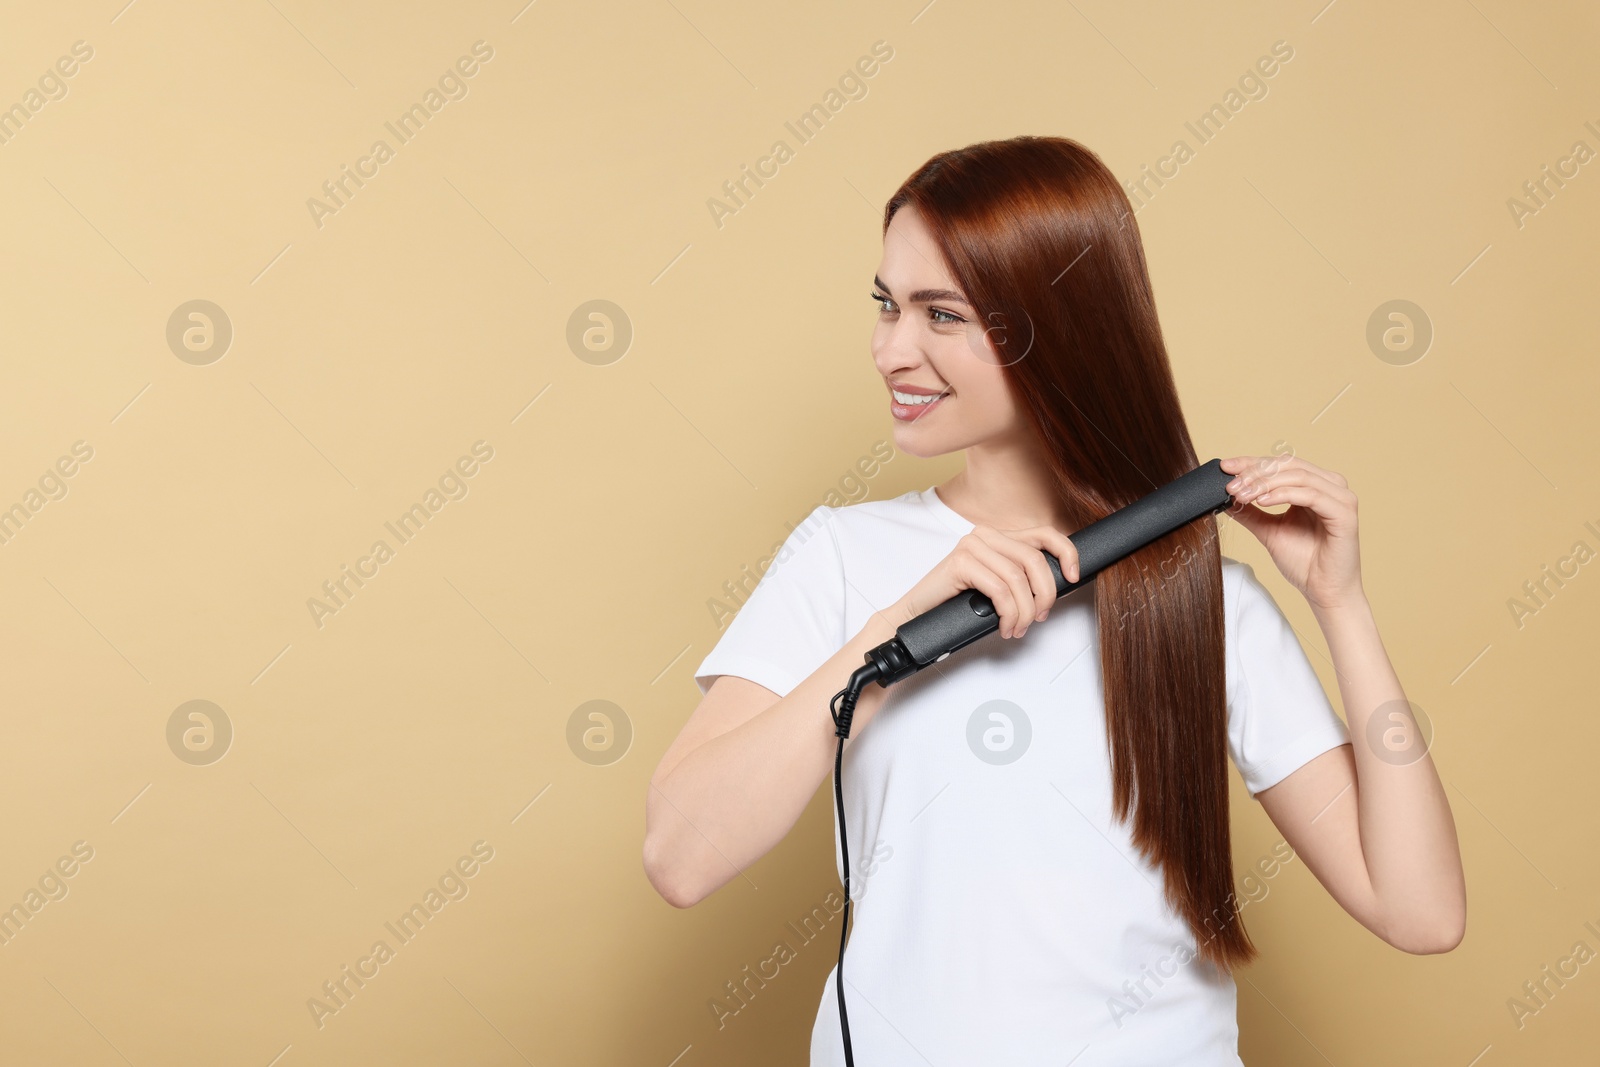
(843, 709)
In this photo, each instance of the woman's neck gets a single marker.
(1006, 486)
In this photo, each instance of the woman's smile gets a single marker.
(909, 403)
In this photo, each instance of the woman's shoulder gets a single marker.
(871, 526)
(918, 509)
(1251, 613)
(1239, 581)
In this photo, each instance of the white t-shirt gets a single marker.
(1001, 915)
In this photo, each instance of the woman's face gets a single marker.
(929, 342)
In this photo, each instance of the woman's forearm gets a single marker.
(1408, 836)
(732, 798)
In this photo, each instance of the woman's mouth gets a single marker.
(908, 407)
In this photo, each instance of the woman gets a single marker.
(1041, 865)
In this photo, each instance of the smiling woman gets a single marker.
(1059, 806)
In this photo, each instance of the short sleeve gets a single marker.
(794, 618)
(1279, 716)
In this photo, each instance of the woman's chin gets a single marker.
(914, 442)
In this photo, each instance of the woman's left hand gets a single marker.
(1314, 542)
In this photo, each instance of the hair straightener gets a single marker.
(970, 615)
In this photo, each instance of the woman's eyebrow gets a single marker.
(926, 296)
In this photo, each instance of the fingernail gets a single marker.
(1233, 485)
(1039, 617)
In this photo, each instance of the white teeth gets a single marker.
(914, 399)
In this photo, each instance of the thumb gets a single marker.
(1253, 518)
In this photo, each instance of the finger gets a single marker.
(1245, 468)
(1255, 489)
(1338, 498)
(1332, 476)
(1051, 540)
(1245, 514)
(1248, 472)
(1253, 465)
(1041, 580)
(1006, 575)
(1291, 462)
(1061, 547)
(1235, 464)
(1252, 518)
(1316, 497)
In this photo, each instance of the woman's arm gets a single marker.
(1372, 823)
(1370, 818)
(747, 763)
(743, 769)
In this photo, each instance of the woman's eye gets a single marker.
(938, 316)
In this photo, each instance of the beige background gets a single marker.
(430, 312)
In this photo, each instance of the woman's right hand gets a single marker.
(1007, 566)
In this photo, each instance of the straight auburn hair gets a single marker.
(1041, 238)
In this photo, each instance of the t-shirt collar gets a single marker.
(944, 512)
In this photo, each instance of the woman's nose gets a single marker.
(895, 351)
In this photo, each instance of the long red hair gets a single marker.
(1040, 236)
